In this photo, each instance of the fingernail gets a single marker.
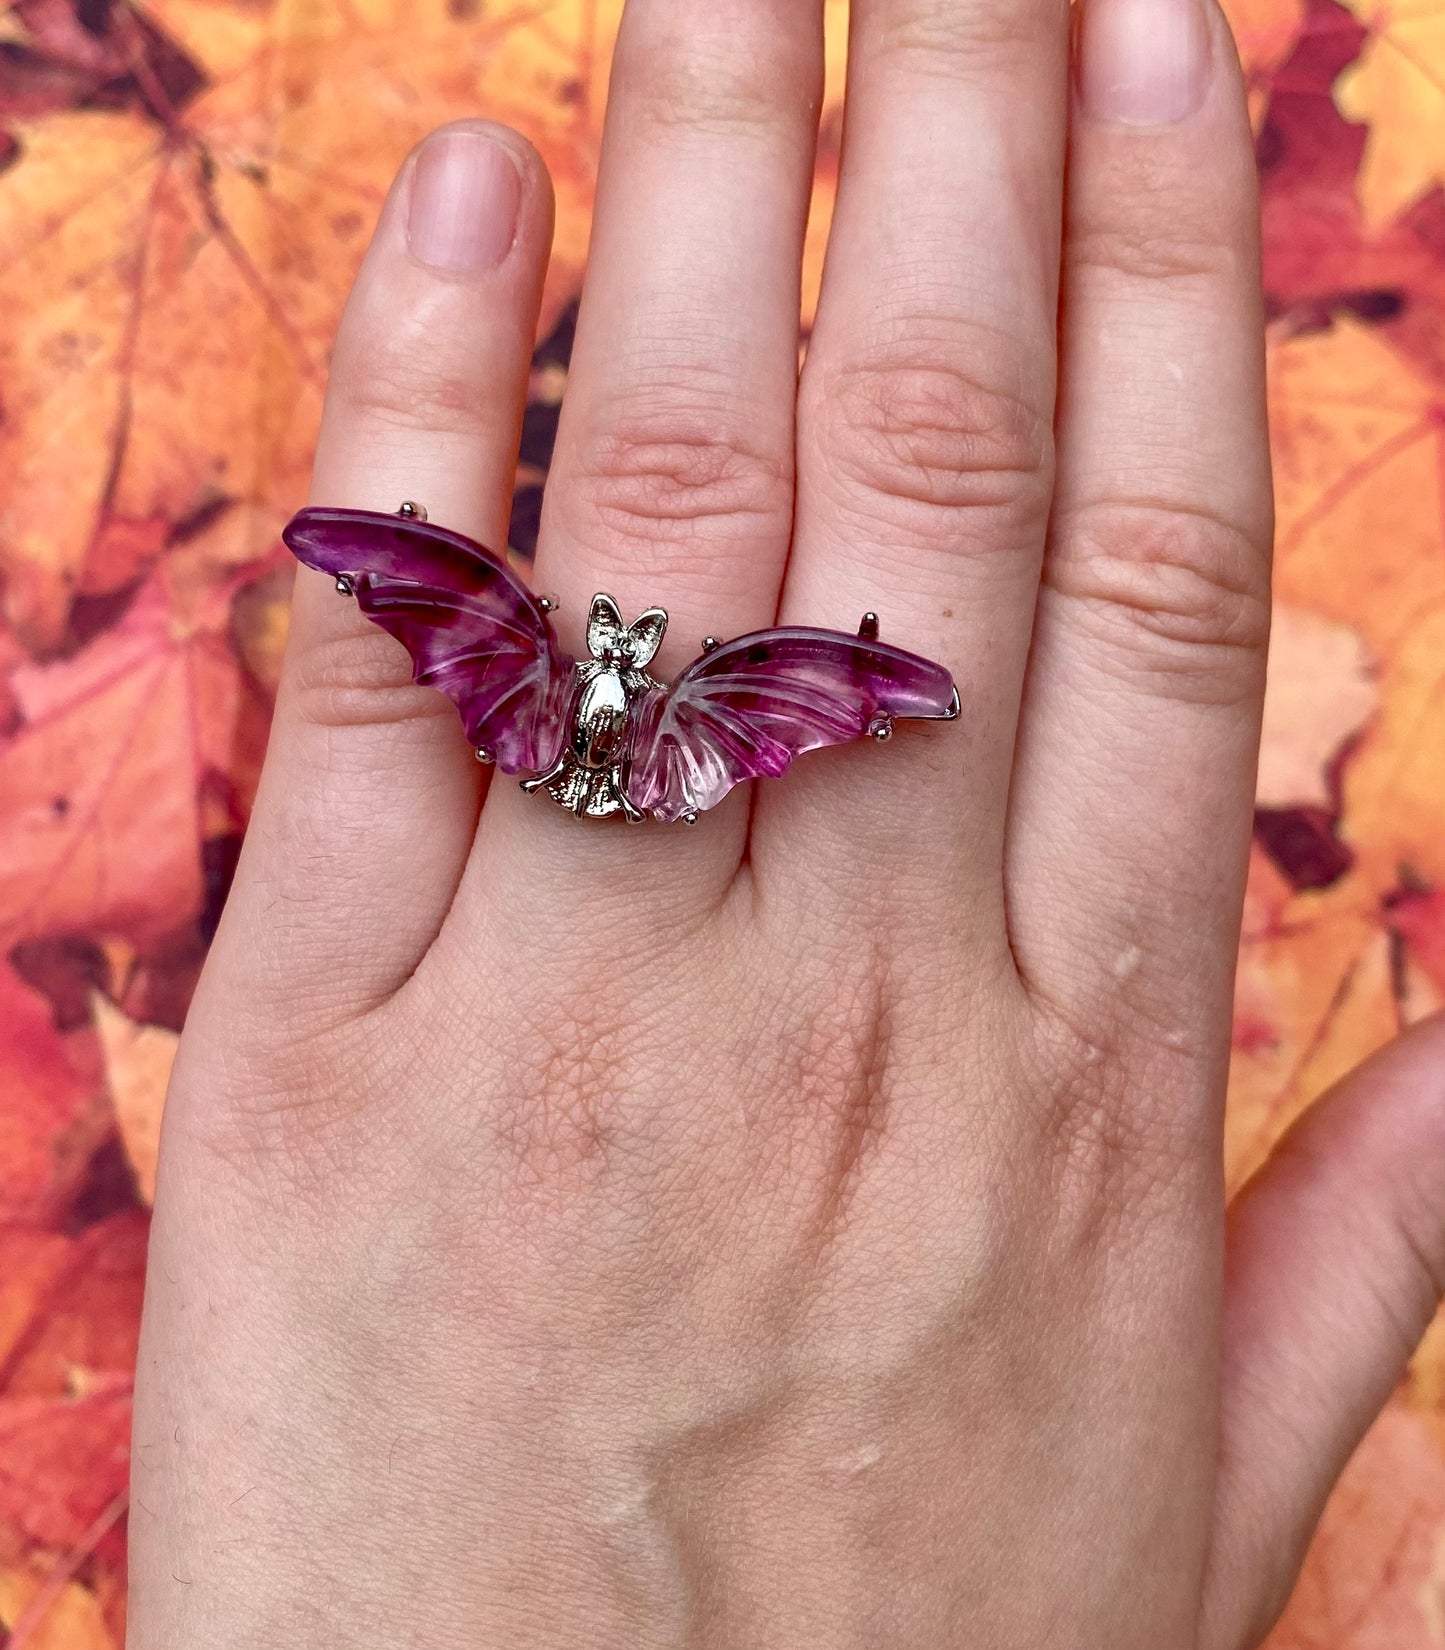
(1143, 62)
(466, 192)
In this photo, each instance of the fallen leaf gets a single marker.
(1265, 33)
(1322, 259)
(185, 188)
(70, 1305)
(33, 1264)
(177, 256)
(1397, 89)
(127, 759)
(138, 1060)
(72, 1618)
(1358, 454)
(50, 1119)
(1322, 691)
(63, 1462)
(1418, 917)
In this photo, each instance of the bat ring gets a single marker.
(599, 735)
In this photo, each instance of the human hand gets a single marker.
(807, 1229)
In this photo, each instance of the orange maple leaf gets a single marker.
(177, 250)
(1397, 88)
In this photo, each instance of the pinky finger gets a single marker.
(1336, 1265)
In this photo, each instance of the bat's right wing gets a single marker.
(745, 710)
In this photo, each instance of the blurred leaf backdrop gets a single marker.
(185, 188)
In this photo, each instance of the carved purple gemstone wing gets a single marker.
(473, 629)
(745, 710)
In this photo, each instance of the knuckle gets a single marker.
(359, 677)
(1111, 1152)
(577, 1113)
(1180, 594)
(569, 1108)
(733, 80)
(410, 384)
(935, 439)
(1158, 243)
(674, 478)
(559, 1127)
(836, 1091)
(289, 1118)
(935, 36)
(1157, 219)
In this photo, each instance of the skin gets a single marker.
(807, 1229)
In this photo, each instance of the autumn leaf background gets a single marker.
(185, 189)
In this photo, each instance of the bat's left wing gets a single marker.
(746, 709)
(473, 629)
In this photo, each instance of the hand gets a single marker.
(803, 1230)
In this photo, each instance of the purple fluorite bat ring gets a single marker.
(599, 735)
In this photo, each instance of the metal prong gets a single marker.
(690, 817)
(881, 728)
(411, 512)
(868, 629)
(344, 584)
(484, 756)
(955, 705)
(710, 644)
(548, 604)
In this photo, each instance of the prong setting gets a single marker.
(868, 628)
(409, 510)
(484, 756)
(881, 728)
(710, 644)
(548, 604)
(344, 585)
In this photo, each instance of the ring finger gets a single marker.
(924, 444)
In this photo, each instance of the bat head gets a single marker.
(620, 645)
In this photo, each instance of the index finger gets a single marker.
(368, 802)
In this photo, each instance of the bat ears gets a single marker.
(607, 633)
(647, 632)
(604, 626)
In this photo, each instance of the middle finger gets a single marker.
(672, 481)
(924, 435)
